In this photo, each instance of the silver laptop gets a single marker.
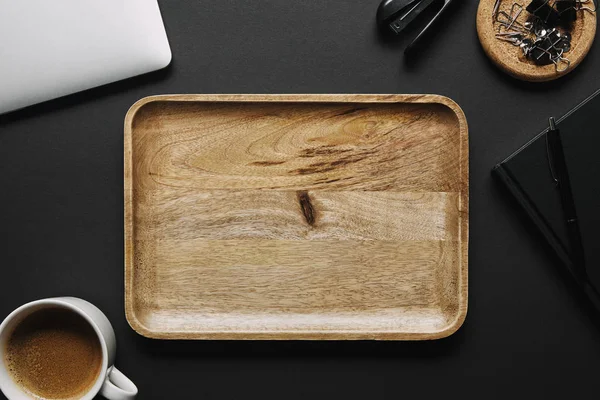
(51, 48)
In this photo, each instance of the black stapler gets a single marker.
(395, 15)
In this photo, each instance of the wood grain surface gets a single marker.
(296, 216)
(510, 58)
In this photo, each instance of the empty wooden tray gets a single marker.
(296, 217)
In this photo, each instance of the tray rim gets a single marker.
(462, 305)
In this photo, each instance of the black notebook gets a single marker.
(528, 175)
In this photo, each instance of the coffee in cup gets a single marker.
(61, 349)
(54, 353)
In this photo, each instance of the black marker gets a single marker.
(559, 167)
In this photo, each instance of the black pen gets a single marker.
(559, 167)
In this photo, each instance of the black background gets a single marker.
(61, 218)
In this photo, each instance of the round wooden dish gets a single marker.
(510, 58)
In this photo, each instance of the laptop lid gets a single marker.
(50, 49)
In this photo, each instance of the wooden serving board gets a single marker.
(296, 216)
(511, 59)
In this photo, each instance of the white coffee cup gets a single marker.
(111, 383)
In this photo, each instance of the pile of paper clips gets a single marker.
(544, 35)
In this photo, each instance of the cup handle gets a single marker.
(118, 387)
